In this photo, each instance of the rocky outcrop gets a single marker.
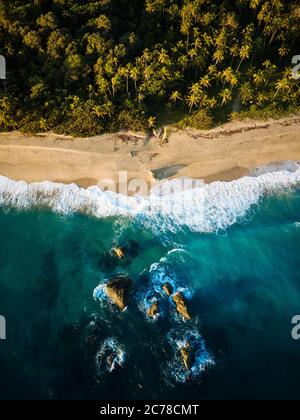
(168, 289)
(111, 361)
(153, 311)
(117, 289)
(126, 251)
(187, 355)
(118, 252)
(181, 306)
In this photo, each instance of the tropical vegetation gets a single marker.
(85, 67)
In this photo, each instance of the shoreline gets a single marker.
(224, 153)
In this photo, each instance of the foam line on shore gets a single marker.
(206, 208)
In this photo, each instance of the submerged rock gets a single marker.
(153, 310)
(110, 357)
(168, 289)
(126, 251)
(112, 361)
(133, 248)
(119, 252)
(191, 357)
(117, 289)
(181, 306)
(187, 355)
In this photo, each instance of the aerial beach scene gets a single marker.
(149, 200)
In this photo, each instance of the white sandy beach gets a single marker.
(224, 153)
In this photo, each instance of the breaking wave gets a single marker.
(203, 358)
(110, 356)
(161, 273)
(207, 208)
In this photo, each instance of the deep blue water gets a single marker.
(244, 289)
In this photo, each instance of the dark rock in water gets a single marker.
(118, 252)
(181, 306)
(127, 251)
(153, 310)
(168, 289)
(133, 248)
(111, 361)
(109, 357)
(187, 355)
(117, 289)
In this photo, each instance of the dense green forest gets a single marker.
(84, 67)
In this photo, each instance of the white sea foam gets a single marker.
(205, 208)
(159, 275)
(110, 356)
(287, 165)
(204, 359)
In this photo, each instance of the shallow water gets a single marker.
(242, 283)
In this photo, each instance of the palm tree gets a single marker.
(185, 30)
(234, 50)
(259, 78)
(247, 43)
(283, 51)
(163, 57)
(164, 73)
(261, 99)
(151, 122)
(196, 89)
(208, 40)
(198, 42)
(116, 82)
(205, 81)
(195, 96)
(244, 54)
(246, 93)
(102, 84)
(193, 100)
(125, 72)
(175, 96)
(146, 57)
(140, 97)
(212, 70)
(192, 53)
(226, 96)
(219, 56)
(229, 77)
(254, 4)
(183, 61)
(134, 75)
(148, 72)
(283, 85)
(102, 111)
(212, 102)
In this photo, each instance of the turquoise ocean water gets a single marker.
(235, 256)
